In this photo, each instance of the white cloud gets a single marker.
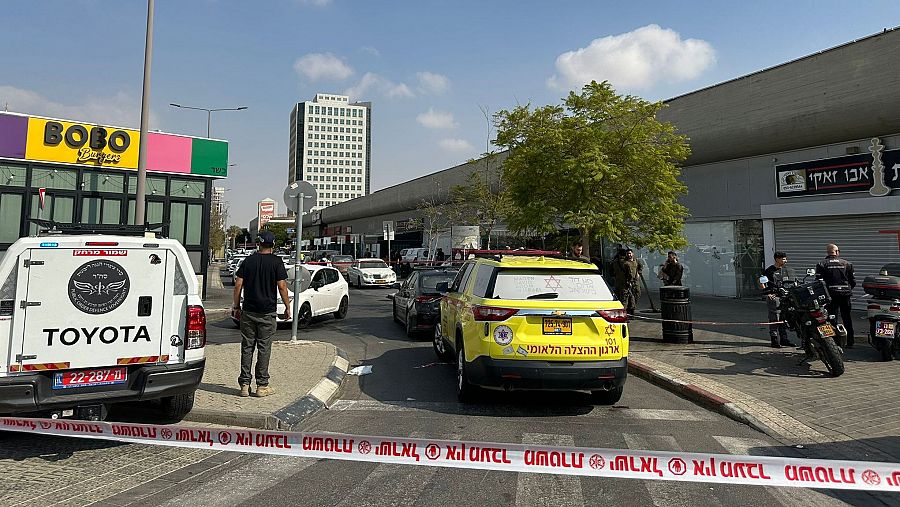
(119, 109)
(430, 82)
(371, 50)
(634, 60)
(316, 3)
(373, 83)
(316, 66)
(456, 145)
(436, 119)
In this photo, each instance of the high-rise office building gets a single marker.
(331, 147)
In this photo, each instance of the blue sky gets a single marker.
(427, 66)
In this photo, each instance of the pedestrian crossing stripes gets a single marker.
(514, 410)
(665, 494)
(401, 484)
(548, 490)
(787, 496)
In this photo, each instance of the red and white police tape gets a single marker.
(710, 323)
(630, 464)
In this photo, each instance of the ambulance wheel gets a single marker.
(176, 407)
(610, 397)
(887, 350)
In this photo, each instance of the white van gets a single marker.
(89, 320)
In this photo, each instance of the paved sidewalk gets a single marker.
(733, 369)
(306, 376)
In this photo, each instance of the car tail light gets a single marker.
(492, 313)
(874, 306)
(894, 308)
(101, 243)
(618, 316)
(196, 327)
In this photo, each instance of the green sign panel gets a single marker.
(209, 158)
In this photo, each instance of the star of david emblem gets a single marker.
(504, 334)
(553, 283)
(610, 329)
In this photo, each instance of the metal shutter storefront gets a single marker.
(804, 240)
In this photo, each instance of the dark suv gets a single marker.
(417, 303)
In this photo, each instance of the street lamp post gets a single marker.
(208, 112)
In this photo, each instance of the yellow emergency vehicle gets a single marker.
(524, 322)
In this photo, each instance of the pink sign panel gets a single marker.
(168, 153)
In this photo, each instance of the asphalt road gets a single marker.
(408, 393)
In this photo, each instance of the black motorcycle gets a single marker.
(804, 307)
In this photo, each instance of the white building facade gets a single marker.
(330, 147)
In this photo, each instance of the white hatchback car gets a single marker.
(327, 293)
(371, 272)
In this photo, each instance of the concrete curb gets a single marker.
(700, 396)
(321, 396)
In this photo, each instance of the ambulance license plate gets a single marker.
(826, 330)
(885, 329)
(88, 378)
(554, 325)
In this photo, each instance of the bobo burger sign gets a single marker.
(78, 143)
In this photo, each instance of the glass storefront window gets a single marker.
(11, 211)
(187, 188)
(95, 182)
(63, 179)
(59, 208)
(177, 212)
(153, 213)
(12, 175)
(194, 224)
(749, 256)
(155, 186)
(96, 210)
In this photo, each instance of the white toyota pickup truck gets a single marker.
(90, 320)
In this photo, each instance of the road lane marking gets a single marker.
(665, 495)
(239, 485)
(392, 484)
(649, 414)
(545, 489)
(785, 496)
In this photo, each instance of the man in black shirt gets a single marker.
(258, 277)
(776, 274)
(837, 274)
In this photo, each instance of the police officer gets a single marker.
(837, 274)
(628, 273)
(776, 274)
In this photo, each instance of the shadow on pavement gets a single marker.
(867, 449)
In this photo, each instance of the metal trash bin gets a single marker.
(675, 303)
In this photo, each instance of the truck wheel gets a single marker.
(610, 397)
(176, 407)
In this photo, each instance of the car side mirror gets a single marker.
(317, 284)
(396, 285)
(443, 287)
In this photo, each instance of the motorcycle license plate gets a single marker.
(826, 330)
(87, 378)
(884, 329)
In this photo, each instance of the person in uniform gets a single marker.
(578, 252)
(776, 274)
(672, 269)
(628, 280)
(837, 274)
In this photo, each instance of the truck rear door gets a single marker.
(95, 307)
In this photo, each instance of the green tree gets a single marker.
(217, 221)
(234, 232)
(600, 162)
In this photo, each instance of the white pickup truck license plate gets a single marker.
(88, 378)
(885, 329)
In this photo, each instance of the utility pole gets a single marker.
(141, 197)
